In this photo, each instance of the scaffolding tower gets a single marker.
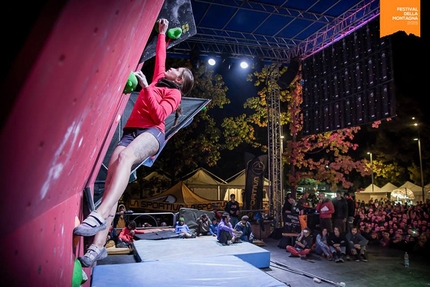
(274, 142)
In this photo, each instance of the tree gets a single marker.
(321, 156)
(200, 143)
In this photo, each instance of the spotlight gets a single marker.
(243, 64)
(211, 61)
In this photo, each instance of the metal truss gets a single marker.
(275, 49)
(348, 22)
(272, 48)
(275, 148)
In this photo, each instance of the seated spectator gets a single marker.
(183, 230)
(321, 245)
(203, 225)
(213, 228)
(357, 244)
(244, 226)
(126, 236)
(303, 244)
(337, 243)
(226, 234)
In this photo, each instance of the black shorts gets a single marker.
(130, 134)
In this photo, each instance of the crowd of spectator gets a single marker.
(383, 222)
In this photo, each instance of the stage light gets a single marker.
(211, 61)
(244, 65)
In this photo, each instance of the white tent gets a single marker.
(416, 189)
(236, 185)
(372, 191)
(389, 187)
(205, 184)
(427, 188)
(402, 193)
(372, 188)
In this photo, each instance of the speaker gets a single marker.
(286, 78)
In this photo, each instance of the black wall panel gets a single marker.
(349, 83)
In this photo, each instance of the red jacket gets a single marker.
(127, 235)
(155, 104)
(325, 208)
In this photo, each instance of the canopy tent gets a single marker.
(205, 184)
(155, 176)
(402, 193)
(389, 187)
(427, 188)
(173, 199)
(236, 185)
(416, 190)
(372, 188)
(372, 191)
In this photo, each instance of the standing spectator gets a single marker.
(303, 203)
(213, 228)
(340, 212)
(226, 234)
(244, 226)
(183, 230)
(291, 215)
(120, 220)
(337, 243)
(351, 211)
(325, 209)
(233, 209)
(303, 244)
(357, 244)
(203, 225)
(321, 244)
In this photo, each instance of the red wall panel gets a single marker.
(56, 132)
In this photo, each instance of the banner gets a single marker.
(255, 169)
(165, 206)
(400, 15)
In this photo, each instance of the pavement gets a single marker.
(384, 268)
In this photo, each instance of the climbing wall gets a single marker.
(60, 102)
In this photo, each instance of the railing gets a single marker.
(153, 216)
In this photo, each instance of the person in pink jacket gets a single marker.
(325, 208)
(144, 134)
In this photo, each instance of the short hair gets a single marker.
(132, 224)
(225, 215)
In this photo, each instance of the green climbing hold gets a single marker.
(131, 84)
(77, 277)
(174, 33)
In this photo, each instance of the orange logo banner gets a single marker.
(400, 15)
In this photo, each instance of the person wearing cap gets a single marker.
(183, 230)
(244, 226)
(303, 244)
(203, 225)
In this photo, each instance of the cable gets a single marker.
(312, 276)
